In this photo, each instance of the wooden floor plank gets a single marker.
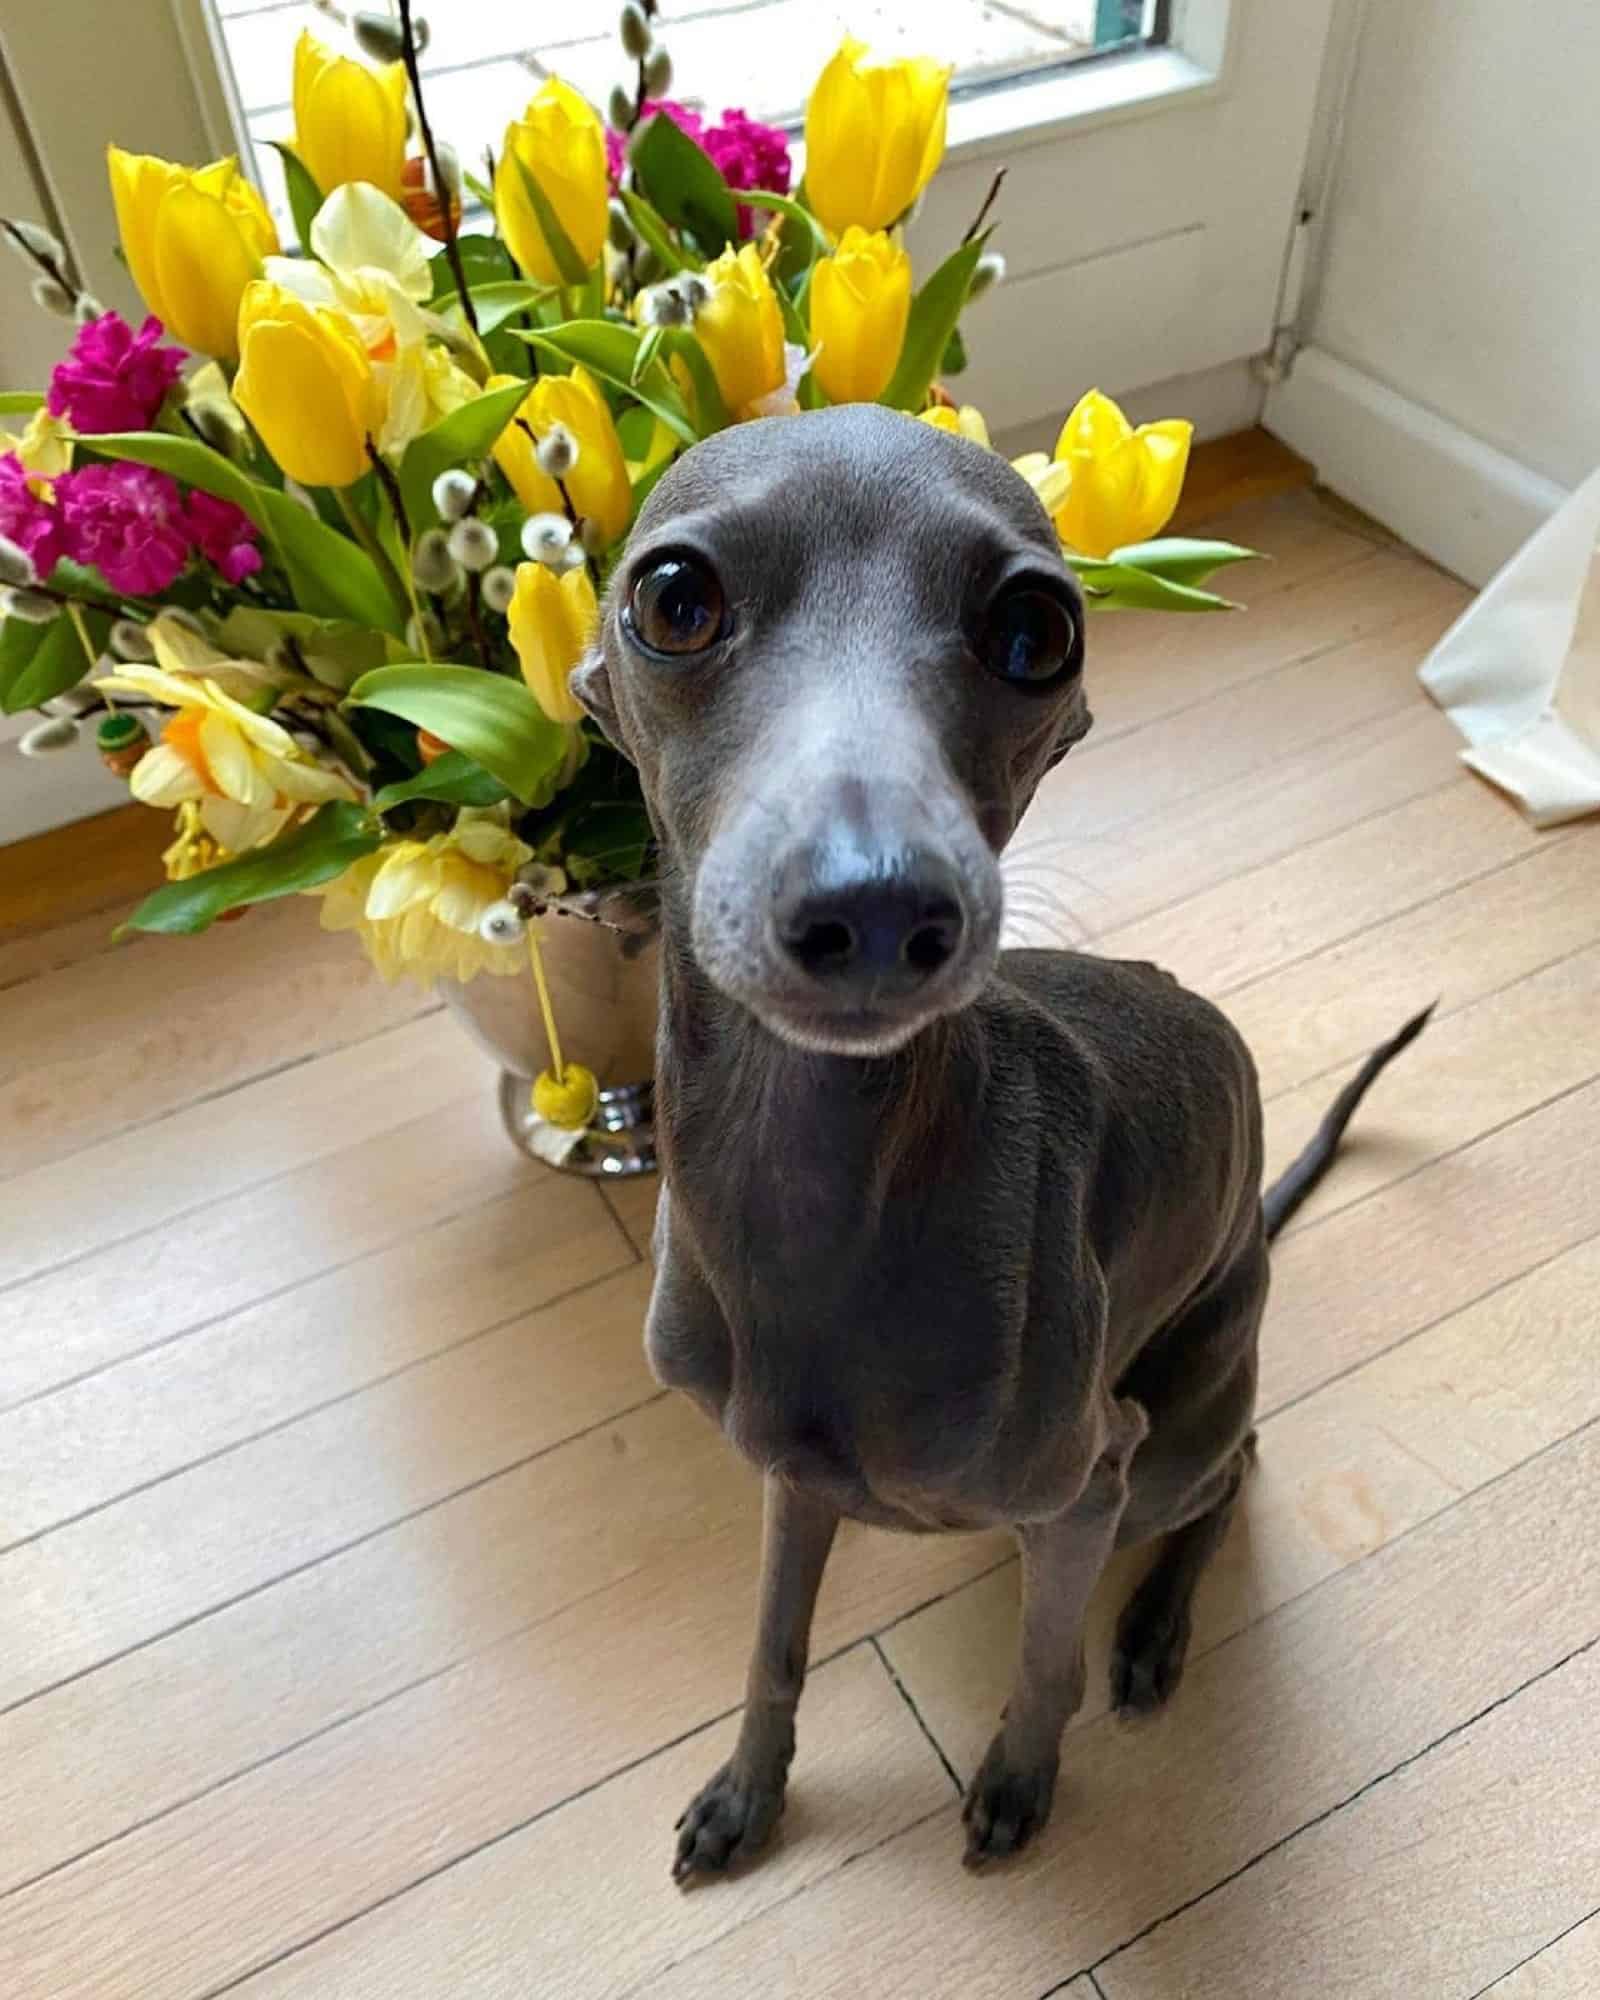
(1569, 1969)
(127, 1036)
(128, 1296)
(517, 1918)
(1360, 1463)
(522, 1608)
(1434, 1882)
(1286, 1722)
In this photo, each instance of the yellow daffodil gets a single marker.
(552, 620)
(418, 904)
(860, 302)
(349, 121)
(369, 262)
(194, 238)
(43, 447)
(598, 483)
(874, 136)
(559, 144)
(740, 328)
(964, 422)
(245, 772)
(1109, 484)
(306, 383)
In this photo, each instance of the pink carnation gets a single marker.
(26, 519)
(114, 379)
(224, 534)
(128, 521)
(745, 152)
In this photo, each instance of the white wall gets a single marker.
(1457, 303)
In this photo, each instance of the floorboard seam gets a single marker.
(917, 1716)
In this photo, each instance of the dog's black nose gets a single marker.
(891, 922)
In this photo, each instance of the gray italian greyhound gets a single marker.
(950, 1237)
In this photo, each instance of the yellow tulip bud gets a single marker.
(740, 327)
(966, 422)
(1121, 484)
(598, 483)
(307, 385)
(568, 1100)
(349, 121)
(560, 145)
(194, 238)
(874, 136)
(860, 302)
(552, 620)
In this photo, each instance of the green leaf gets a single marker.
(464, 437)
(489, 717)
(19, 643)
(329, 575)
(653, 230)
(709, 406)
(455, 779)
(1181, 560)
(811, 231)
(607, 350)
(683, 184)
(1111, 585)
(935, 311)
(608, 838)
(20, 402)
(954, 358)
(334, 836)
(56, 664)
(336, 652)
(305, 197)
(498, 301)
(571, 266)
(485, 260)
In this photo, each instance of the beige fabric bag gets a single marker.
(1519, 671)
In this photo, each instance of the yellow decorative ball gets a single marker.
(568, 1100)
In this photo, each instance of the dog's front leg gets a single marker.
(1062, 1560)
(733, 1815)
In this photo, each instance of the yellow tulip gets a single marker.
(874, 136)
(965, 422)
(1109, 484)
(349, 121)
(193, 238)
(559, 144)
(305, 381)
(860, 302)
(552, 620)
(740, 328)
(598, 484)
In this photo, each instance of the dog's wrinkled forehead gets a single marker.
(856, 486)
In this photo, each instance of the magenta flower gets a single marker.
(128, 521)
(114, 379)
(27, 520)
(224, 534)
(745, 152)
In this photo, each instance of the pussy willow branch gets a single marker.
(441, 188)
(989, 201)
(48, 265)
(391, 489)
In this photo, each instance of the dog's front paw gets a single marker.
(1006, 1806)
(1151, 1646)
(727, 1820)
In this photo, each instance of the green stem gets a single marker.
(361, 529)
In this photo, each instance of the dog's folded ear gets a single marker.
(590, 683)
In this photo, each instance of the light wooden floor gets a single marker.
(366, 1615)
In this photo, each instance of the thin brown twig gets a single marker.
(447, 214)
(989, 200)
(48, 265)
(475, 618)
(391, 489)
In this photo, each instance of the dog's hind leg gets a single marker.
(1153, 1632)
(733, 1816)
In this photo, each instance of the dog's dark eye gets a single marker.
(676, 606)
(1028, 636)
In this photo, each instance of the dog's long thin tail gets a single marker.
(1301, 1175)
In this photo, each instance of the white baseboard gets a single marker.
(38, 793)
(1438, 487)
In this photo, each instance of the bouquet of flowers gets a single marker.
(314, 548)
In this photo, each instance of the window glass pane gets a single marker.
(759, 55)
